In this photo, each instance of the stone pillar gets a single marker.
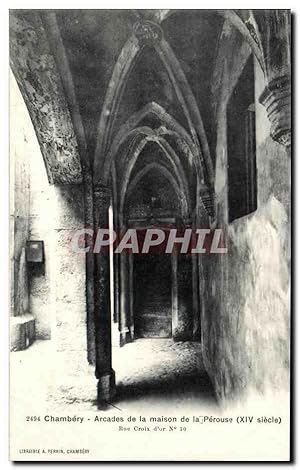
(196, 303)
(182, 297)
(274, 28)
(185, 298)
(124, 314)
(174, 262)
(131, 294)
(116, 264)
(104, 371)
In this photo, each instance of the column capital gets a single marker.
(276, 98)
(102, 195)
(147, 32)
(207, 198)
(102, 189)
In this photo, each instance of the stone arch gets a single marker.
(183, 91)
(171, 156)
(40, 83)
(187, 100)
(115, 88)
(176, 183)
(125, 63)
(129, 129)
(248, 28)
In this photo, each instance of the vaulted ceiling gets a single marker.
(102, 85)
(93, 41)
(91, 44)
(104, 88)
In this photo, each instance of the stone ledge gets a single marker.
(22, 332)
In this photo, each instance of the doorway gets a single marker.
(152, 303)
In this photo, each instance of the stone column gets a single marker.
(124, 314)
(116, 264)
(196, 303)
(182, 297)
(184, 331)
(104, 371)
(131, 294)
(174, 262)
(274, 27)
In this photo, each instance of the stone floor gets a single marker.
(163, 373)
(156, 378)
(150, 373)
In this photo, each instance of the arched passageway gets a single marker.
(145, 124)
(157, 324)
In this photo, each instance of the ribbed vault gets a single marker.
(73, 78)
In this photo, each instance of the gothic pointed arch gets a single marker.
(149, 32)
(40, 83)
(115, 88)
(244, 21)
(170, 156)
(175, 183)
(129, 129)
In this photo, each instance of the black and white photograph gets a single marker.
(150, 234)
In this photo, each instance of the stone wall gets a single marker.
(40, 229)
(52, 293)
(245, 324)
(20, 150)
(22, 324)
(69, 283)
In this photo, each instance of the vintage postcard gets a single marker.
(150, 216)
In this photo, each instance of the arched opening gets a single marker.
(156, 302)
(157, 130)
(153, 200)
